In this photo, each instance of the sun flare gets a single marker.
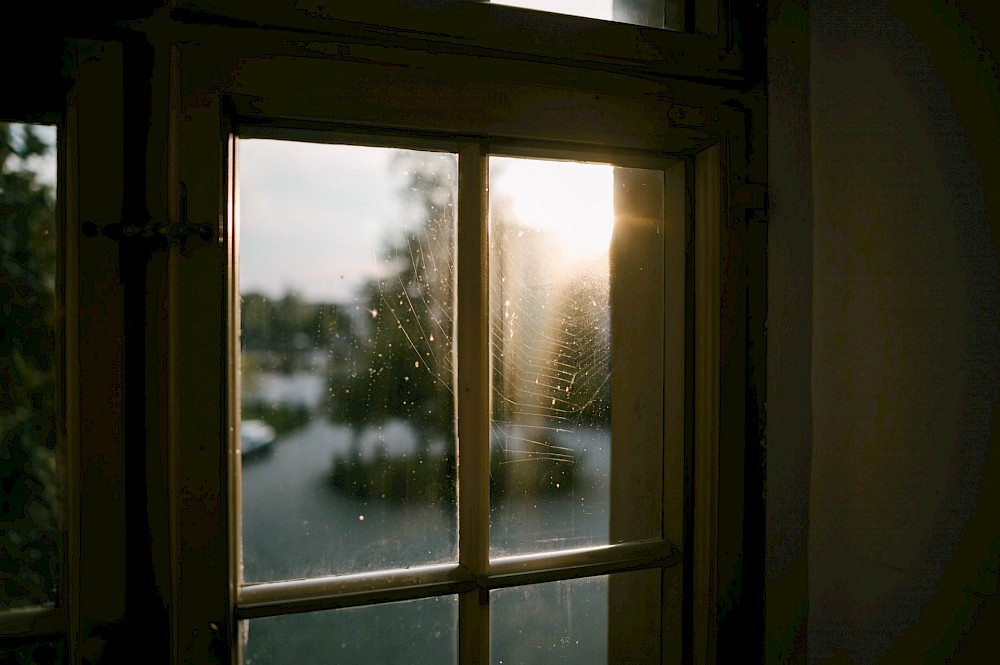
(573, 201)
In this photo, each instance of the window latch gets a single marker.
(158, 236)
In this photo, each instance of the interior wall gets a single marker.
(789, 332)
(904, 536)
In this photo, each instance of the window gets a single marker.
(366, 303)
(401, 329)
(466, 447)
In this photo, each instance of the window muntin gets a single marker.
(30, 468)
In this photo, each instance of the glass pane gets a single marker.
(568, 621)
(346, 277)
(652, 13)
(560, 285)
(29, 496)
(422, 632)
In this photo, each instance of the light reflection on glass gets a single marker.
(347, 407)
(550, 225)
(552, 313)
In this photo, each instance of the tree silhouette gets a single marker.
(403, 365)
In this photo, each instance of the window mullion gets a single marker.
(95, 582)
(677, 226)
(189, 288)
(707, 293)
(472, 399)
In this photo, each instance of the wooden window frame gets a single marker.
(223, 83)
(202, 65)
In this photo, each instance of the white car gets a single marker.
(256, 436)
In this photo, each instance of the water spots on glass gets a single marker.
(550, 353)
(417, 632)
(362, 313)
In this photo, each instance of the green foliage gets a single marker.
(28, 514)
(276, 332)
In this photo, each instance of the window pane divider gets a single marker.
(306, 595)
(589, 562)
(473, 398)
(707, 287)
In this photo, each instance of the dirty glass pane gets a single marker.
(558, 622)
(555, 374)
(667, 14)
(346, 279)
(582, 622)
(420, 632)
(29, 496)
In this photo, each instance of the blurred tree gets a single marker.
(551, 331)
(275, 334)
(28, 496)
(404, 365)
(583, 333)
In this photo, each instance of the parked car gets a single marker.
(256, 437)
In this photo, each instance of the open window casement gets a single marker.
(511, 447)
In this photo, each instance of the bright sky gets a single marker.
(573, 200)
(655, 13)
(44, 166)
(314, 218)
